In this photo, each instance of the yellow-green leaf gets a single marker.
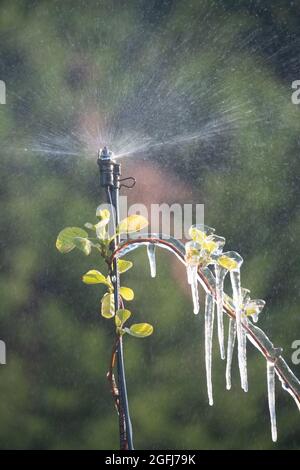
(126, 293)
(230, 260)
(122, 316)
(65, 240)
(140, 330)
(197, 235)
(83, 244)
(124, 265)
(227, 263)
(108, 305)
(103, 214)
(95, 277)
(133, 223)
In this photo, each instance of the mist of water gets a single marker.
(142, 91)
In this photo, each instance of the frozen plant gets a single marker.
(207, 265)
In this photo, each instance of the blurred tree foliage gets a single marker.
(53, 391)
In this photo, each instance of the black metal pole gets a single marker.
(110, 173)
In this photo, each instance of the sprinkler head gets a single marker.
(110, 171)
(105, 154)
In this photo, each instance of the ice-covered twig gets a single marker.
(258, 338)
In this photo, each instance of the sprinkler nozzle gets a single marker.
(105, 154)
(109, 169)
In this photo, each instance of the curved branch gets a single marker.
(259, 339)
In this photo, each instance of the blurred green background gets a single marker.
(63, 60)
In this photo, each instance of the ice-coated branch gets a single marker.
(255, 335)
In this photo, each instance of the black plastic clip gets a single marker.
(128, 186)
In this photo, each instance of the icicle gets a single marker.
(192, 258)
(194, 287)
(230, 347)
(241, 334)
(209, 323)
(151, 257)
(255, 317)
(189, 274)
(220, 276)
(271, 398)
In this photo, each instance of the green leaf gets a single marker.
(126, 293)
(101, 231)
(101, 227)
(122, 316)
(133, 223)
(108, 305)
(95, 277)
(83, 244)
(66, 238)
(140, 330)
(103, 214)
(124, 265)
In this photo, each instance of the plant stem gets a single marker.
(125, 428)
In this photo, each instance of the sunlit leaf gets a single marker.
(126, 293)
(199, 232)
(140, 330)
(108, 305)
(133, 223)
(65, 240)
(230, 260)
(197, 235)
(213, 244)
(95, 277)
(101, 227)
(83, 244)
(103, 214)
(254, 307)
(101, 230)
(122, 316)
(124, 265)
